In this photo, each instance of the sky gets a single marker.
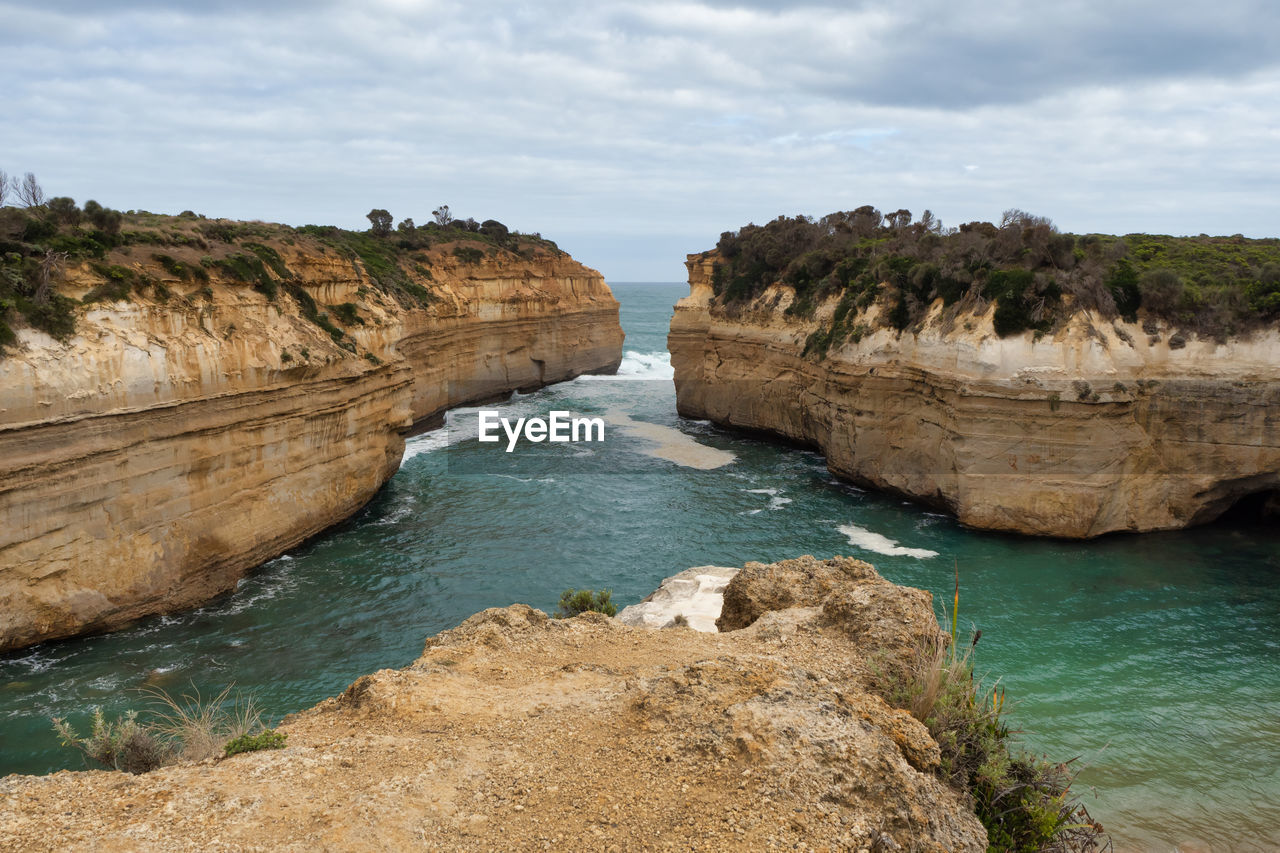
(634, 133)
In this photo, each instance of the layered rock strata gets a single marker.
(518, 732)
(176, 442)
(1102, 426)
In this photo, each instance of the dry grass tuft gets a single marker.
(188, 728)
(202, 726)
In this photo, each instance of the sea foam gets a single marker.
(640, 365)
(869, 541)
(451, 433)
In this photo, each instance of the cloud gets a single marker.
(604, 125)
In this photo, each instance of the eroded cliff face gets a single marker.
(169, 446)
(1100, 427)
(518, 732)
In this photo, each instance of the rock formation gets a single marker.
(184, 436)
(695, 596)
(519, 732)
(1099, 427)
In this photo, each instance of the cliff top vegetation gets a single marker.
(43, 240)
(1035, 275)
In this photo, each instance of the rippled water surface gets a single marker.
(1156, 659)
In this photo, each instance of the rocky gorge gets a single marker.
(1102, 425)
(194, 426)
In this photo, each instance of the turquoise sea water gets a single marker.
(1156, 658)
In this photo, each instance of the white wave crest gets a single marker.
(438, 439)
(395, 516)
(776, 501)
(869, 541)
(641, 365)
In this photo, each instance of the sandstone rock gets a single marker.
(169, 447)
(519, 732)
(759, 588)
(695, 594)
(1089, 431)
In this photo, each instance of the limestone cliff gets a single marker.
(517, 732)
(200, 426)
(1102, 426)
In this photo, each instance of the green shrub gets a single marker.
(843, 309)
(269, 739)
(818, 342)
(1016, 292)
(347, 314)
(418, 292)
(56, 317)
(172, 266)
(250, 270)
(1161, 290)
(271, 258)
(1264, 294)
(951, 288)
(222, 232)
(1025, 802)
(468, 254)
(63, 210)
(1003, 284)
(1125, 290)
(899, 316)
(122, 744)
(1226, 288)
(923, 279)
(78, 245)
(105, 219)
(575, 601)
(495, 229)
(311, 311)
(8, 337)
(1010, 317)
(38, 230)
(188, 728)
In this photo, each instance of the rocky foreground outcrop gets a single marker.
(188, 433)
(518, 732)
(1101, 426)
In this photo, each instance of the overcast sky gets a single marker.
(634, 133)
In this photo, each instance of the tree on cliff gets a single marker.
(442, 215)
(495, 229)
(29, 192)
(64, 211)
(380, 222)
(103, 218)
